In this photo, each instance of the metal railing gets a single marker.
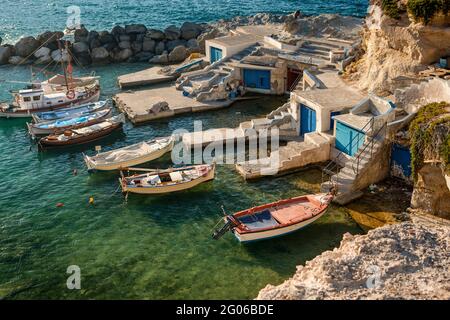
(370, 143)
(296, 82)
(333, 168)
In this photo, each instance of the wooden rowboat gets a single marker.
(129, 156)
(275, 219)
(71, 112)
(166, 181)
(83, 135)
(60, 125)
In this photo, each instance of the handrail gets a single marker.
(296, 82)
(332, 165)
(371, 143)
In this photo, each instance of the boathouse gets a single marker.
(227, 46)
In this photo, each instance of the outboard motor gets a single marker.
(228, 226)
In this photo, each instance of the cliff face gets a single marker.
(395, 48)
(402, 261)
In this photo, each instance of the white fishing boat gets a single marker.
(81, 110)
(166, 181)
(60, 91)
(129, 156)
(54, 126)
(275, 219)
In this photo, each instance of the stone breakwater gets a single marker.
(130, 43)
(408, 260)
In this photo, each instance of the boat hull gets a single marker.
(36, 131)
(274, 233)
(92, 166)
(28, 113)
(168, 188)
(72, 111)
(49, 144)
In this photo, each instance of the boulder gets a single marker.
(135, 29)
(1, 40)
(192, 44)
(110, 46)
(93, 35)
(155, 34)
(148, 45)
(160, 47)
(124, 37)
(95, 43)
(17, 60)
(106, 37)
(172, 33)
(117, 31)
(121, 55)
(5, 53)
(143, 56)
(58, 56)
(83, 59)
(49, 37)
(208, 35)
(136, 46)
(43, 56)
(170, 45)
(160, 59)
(140, 37)
(81, 34)
(190, 30)
(80, 47)
(100, 55)
(178, 54)
(124, 45)
(26, 46)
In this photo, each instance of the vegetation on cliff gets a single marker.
(421, 10)
(429, 133)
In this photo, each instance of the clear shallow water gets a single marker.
(38, 16)
(151, 247)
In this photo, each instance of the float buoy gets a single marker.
(91, 200)
(60, 205)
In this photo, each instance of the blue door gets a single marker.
(307, 120)
(259, 79)
(335, 113)
(216, 54)
(401, 156)
(348, 140)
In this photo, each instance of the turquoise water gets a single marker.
(150, 247)
(37, 16)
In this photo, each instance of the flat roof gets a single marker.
(331, 98)
(356, 121)
(230, 41)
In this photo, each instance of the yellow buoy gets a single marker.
(91, 200)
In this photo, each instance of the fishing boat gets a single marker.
(275, 219)
(60, 91)
(166, 181)
(84, 135)
(83, 109)
(129, 156)
(55, 126)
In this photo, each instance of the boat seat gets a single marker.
(259, 220)
(288, 214)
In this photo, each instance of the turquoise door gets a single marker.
(348, 140)
(216, 54)
(259, 79)
(335, 113)
(307, 120)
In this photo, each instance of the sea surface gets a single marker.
(149, 247)
(37, 16)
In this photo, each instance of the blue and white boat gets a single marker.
(60, 125)
(71, 112)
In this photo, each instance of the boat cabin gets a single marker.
(30, 98)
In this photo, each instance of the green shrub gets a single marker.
(425, 10)
(390, 8)
(426, 140)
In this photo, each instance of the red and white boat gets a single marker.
(275, 219)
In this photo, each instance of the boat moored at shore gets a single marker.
(129, 156)
(80, 110)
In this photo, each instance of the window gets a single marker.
(49, 102)
(36, 98)
(60, 101)
(26, 99)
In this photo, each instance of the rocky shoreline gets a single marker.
(130, 43)
(407, 260)
(138, 43)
